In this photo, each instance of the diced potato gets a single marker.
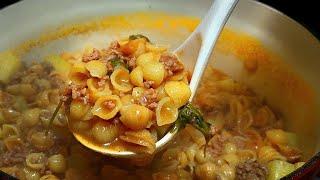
(278, 169)
(10, 64)
(60, 65)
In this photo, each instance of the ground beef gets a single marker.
(251, 169)
(15, 156)
(114, 45)
(171, 64)
(6, 99)
(31, 73)
(149, 98)
(65, 93)
(79, 92)
(148, 84)
(11, 158)
(216, 144)
(16, 78)
(109, 67)
(102, 82)
(37, 69)
(214, 130)
(109, 104)
(30, 78)
(131, 61)
(112, 51)
(56, 80)
(152, 105)
(57, 147)
(94, 55)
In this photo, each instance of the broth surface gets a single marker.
(246, 136)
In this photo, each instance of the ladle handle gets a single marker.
(209, 31)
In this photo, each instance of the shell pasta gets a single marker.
(246, 137)
(120, 79)
(107, 107)
(115, 98)
(166, 112)
(126, 97)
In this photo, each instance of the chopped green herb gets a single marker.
(138, 36)
(54, 115)
(118, 62)
(191, 115)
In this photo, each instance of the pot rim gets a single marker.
(311, 167)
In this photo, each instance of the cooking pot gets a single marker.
(286, 54)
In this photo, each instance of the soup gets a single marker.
(125, 96)
(246, 141)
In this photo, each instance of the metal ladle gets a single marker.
(198, 46)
